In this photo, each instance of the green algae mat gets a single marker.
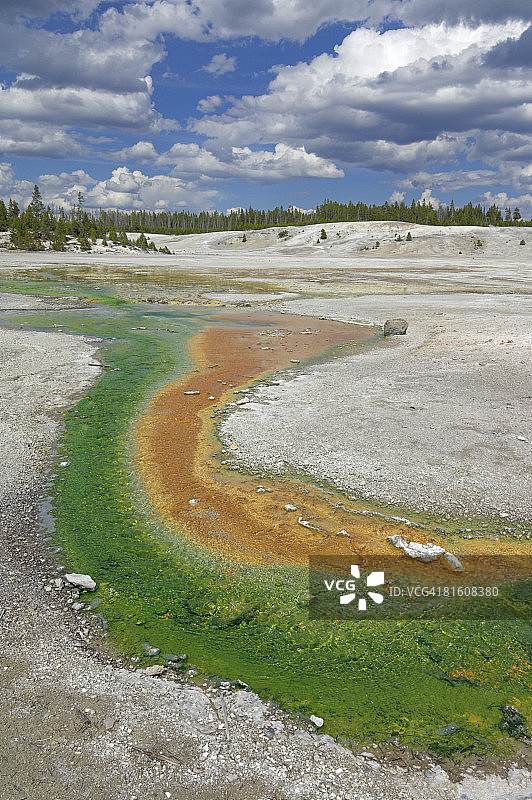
(370, 680)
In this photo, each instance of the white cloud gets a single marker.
(428, 198)
(399, 100)
(502, 200)
(42, 9)
(220, 64)
(81, 107)
(449, 181)
(125, 189)
(420, 12)
(141, 151)
(132, 189)
(211, 103)
(396, 197)
(37, 139)
(205, 20)
(261, 166)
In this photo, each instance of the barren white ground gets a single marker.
(437, 419)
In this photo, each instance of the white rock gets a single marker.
(306, 524)
(290, 507)
(156, 669)
(190, 392)
(317, 721)
(425, 552)
(82, 581)
(453, 561)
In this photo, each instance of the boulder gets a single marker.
(395, 327)
(81, 581)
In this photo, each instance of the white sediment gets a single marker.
(437, 419)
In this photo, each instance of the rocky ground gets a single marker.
(75, 722)
(438, 419)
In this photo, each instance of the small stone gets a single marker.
(150, 650)
(100, 621)
(108, 723)
(191, 392)
(57, 582)
(260, 489)
(453, 561)
(193, 502)
(317, 721)
(450, 728)
(78, 606)
(290, 507)
(343, 533)
(156, 669)
(81, 581)
(212, 397)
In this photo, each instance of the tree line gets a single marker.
(39, 226)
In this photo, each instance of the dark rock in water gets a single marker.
(173, 658)
(395, 327)
(513, 723)
(100, 621)
(175, 665)
(450, 728)
(150, 650)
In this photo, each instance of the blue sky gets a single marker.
(219, 103)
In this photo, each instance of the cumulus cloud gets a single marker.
(83, 107)
(204, 20)
(449, 181)
(220, 64)
(503, 200)
(126, 189)
(428, 198)
(42, 9)
(396, 197)
(209, 104)
(425, 88)
(25, 138)
(416, 99)
(261, 166)
(472, 12)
